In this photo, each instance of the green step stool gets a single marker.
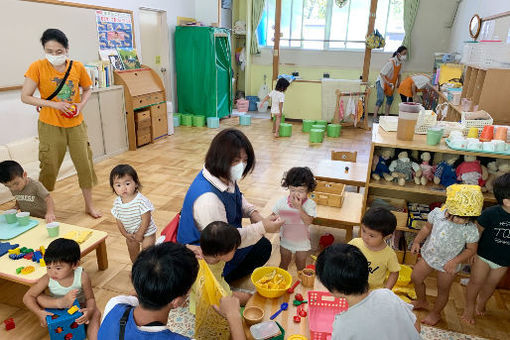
(334, 130)
(198, 121)
(281, 121)
(213, 122)
(316, 136)
(187, 119)
(307, 125)
(285, 130)
(318, 127)
(245, 120)
(321, 122)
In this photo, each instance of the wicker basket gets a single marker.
(478, 123)
(426, 120)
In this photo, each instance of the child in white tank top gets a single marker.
(66, 282)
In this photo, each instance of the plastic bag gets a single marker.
(209, 324)
(375, 40)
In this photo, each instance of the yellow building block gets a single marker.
(14, 251)
(42, 250)
(42, 263)
(27, 270)
(72, 310)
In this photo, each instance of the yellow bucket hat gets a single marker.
(464, 200)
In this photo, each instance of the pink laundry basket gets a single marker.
(243, 105)
(322, 308)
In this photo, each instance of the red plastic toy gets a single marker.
(9, 324)
(299, 297)
(302, 313)
(297, 319)
(291, 289)
(326, 240)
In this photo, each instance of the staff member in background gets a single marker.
(410, 86)
(388, 80)
(61, 124)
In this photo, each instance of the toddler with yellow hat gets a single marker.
(452, 238)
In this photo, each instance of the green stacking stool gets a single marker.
(177, 120)
(198, 121)
(307, 125)
(281, 121)
(213, 122)
(245, 120)
(334, 130)
(318, 127)
(316, 135)
(321, 122)
(285, 130)
(179, 116)
(187, 120)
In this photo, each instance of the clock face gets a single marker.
(474, 26)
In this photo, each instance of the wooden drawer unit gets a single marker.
(328, 193)
(143, 136)
(159, 120)
(143, 119)
(147, 99)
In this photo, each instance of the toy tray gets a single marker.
(322, 310)
(9, 231)
(449, 144)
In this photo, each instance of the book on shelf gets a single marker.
(101, 73)
(129, 58)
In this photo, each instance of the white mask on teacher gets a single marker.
(56, 60)
(236, 172)
(403, 58)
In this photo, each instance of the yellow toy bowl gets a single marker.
(267, 292)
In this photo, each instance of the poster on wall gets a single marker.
(114, 30)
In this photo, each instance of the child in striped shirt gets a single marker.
(132, 210)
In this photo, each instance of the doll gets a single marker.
(494, 170)
(471, 171)
(402, 168)
(427, 171)
(380, 165)
(445, 173)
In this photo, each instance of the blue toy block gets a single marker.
(16, 256)
(62, 325)
(37, 256)
(5, 246)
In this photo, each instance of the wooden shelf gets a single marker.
(429, 189)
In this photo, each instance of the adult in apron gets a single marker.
(388, 80)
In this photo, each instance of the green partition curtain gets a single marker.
(410, 11)
(256, 13)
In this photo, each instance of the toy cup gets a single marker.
(23, 218)
(487, 133)
(499, 145)
(10, 216)
(473, 133)
(488, 146)
(434, 135)
(307, 277)
(253, 315)
(501, 133)
(53, 229)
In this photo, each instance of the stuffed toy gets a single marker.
(445, 172)
(471, 172)
(403, 168)
(426, 173)
(380, 164)
(494, 170)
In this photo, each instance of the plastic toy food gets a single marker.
(272, 280)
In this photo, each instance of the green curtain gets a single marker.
(257, 8)
(410, 11)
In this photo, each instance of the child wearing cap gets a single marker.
(452, 238)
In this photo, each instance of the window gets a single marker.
(320, 24)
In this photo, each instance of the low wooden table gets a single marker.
(334, 171)
(38, 236)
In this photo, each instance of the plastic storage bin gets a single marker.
(322, 308)
(307, 125)
(213, 122)
(243, 105)
(177, 121)
(198, 121)
(334, 130)
(285, 130)
(316, 136)
(245, 120)
(253, 102)
(187, 120)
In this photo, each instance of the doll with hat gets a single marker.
(445, 171)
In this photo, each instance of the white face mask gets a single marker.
(403, 57)
(236, 172)
(56, 60)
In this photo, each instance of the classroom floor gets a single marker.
(166, 169)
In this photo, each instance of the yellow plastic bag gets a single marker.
(209, 324)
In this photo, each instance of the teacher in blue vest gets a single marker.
(215, 196)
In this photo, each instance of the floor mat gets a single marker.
(432, 333)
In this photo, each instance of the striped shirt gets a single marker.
(130, 213)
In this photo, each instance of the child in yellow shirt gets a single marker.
(377, 225)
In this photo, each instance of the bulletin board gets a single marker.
(26, 20)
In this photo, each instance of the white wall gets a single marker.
(429, 35)
(206, 11)
(18, 120)
(467, 9)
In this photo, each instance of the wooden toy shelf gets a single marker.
(146, 113)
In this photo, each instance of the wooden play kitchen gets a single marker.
(146, 112)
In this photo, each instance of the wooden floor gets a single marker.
(166, 169)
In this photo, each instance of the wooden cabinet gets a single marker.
(144, 92)
(106, 122)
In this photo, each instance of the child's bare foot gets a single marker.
(468, 318)
(480, 311)
(420, 304)
(276, 135)
(93, 212)
(242, 296)
(67, 300)
(431, 319)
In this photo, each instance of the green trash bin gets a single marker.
(334, 130)
(316, 135)
(285, 130)
(281, 121)
(307, 125)
(321, 122)
(187, 120)
(198, 121)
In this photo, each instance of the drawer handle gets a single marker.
(141, 100)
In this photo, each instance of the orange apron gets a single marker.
(388, 91)
(406, 87)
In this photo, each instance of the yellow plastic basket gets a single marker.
(270, 293)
